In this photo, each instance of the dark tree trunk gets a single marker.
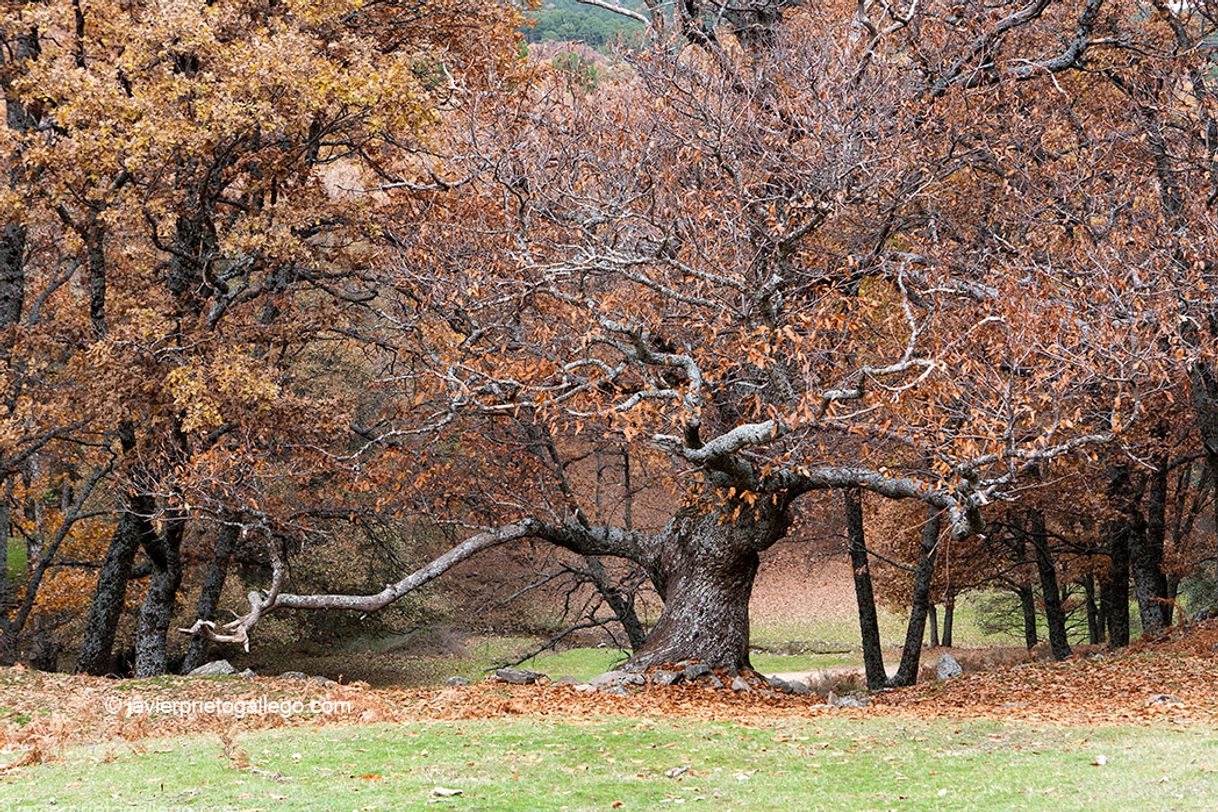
(1095, 621)
(12, 274)
(1027, 601)
(1127, 523)
(1204, 389)
(209, 595)
(704, 568)
(932, 625)
(1055, 615)
(134, 529)
(1117, 592)
(869, 624)
(1146, 556)
(911, 654)
(949, 612)
(152, 638)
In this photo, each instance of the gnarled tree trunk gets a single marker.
(704, 566)
(151, 643)
(134, 529)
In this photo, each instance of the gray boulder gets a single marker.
(667, 677)
(456, 681)
(216, 668)
(617, 678)
(780, 684)
(516, 676)
(948, 667)
(739, 684)
(849, 700)
(693, 672)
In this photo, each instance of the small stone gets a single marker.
(616, 690)
(948, 668)
(293, 675)
(445, 792)
(715, 682)
(320, 680)
(799, 688)
(1163, 699)
(779, 684)
(739, 684)
(247, 674)
(456, 681)
(516, 676)
(848, 701)
(667, 677)
(568, 680)
(216, 668)
(585, 688)
(617, 678)
(696, 671)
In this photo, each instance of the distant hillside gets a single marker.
(568, 20)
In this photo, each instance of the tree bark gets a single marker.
(1126, 524)
(1055, 614)
(704, 571)
(932, 624)
(911, 654)
(1146, 556)
(134, 529)
(209, 595)
(869, 624)
(151, 643)
(1117, 592)
(1027, 601)
(1095, 621)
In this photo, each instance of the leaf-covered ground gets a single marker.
(1169, 682)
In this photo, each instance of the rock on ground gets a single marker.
(617, 678)
(948, 667)
(516, 676)
(216, 668)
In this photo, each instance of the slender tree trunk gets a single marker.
(133, 530)
(1055, 615)
(869, 624)
(1146, 556)
(704, 571)
(152, 639)
(1095, 622)
(1128, 522)
(949, 612)
(932, 624)
(209, 595)
(1117, 590)
(1027, 601)
(911, 654)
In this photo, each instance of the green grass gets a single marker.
(591, 764)
(16, 562)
